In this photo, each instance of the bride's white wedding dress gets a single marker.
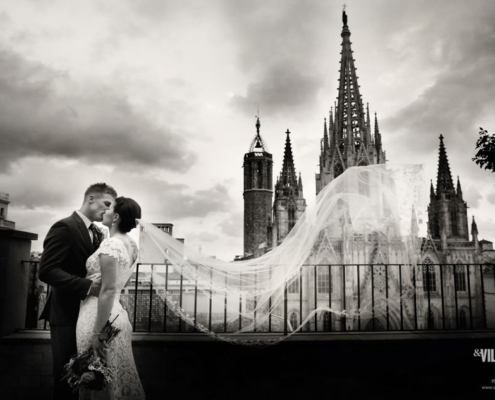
(126, 384)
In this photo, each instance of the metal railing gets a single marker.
(445, 296)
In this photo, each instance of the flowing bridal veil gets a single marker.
(352, 257)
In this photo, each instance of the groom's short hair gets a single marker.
(100, 188)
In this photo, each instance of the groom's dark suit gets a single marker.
(63, 266)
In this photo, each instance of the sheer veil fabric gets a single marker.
(367, 215)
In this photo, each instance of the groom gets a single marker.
(67, 246)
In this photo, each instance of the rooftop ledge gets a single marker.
(148, 338)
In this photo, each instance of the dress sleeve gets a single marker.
(111, 247)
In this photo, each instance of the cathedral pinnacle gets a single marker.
(444, 177)
(325, 135)
(288, 176)
(474, 227)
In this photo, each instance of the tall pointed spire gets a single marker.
(350, 122)
(432, 192)
(325, 136)
(368, 123)
(288, 176)
(459, 190)
(444, 177)
(378, 140)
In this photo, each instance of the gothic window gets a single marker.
(323, 279)
(462, 319)
(337, 170)
(259, 173)
(293, 320)
(293, 286)
(327, 322)
(292, 216)
(453, 220)
(460, 278)
(429, 276)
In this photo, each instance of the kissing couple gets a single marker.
(87, 273)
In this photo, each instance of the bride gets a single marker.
(114, 261)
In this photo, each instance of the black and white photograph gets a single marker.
(246, 199)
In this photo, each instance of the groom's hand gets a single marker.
(95, 287)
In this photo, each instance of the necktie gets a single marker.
(96, 237)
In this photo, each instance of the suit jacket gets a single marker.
(63, 266)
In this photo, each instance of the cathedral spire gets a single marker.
(368, 123)
(325, 136)
(459, 190)
(432, 192)
(288, 176)
(378, 140)
(444, 178)
(350, 122)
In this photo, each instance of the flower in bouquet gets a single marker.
(89, 370)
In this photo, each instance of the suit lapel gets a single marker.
(84, 232)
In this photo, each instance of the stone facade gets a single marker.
(4, 212)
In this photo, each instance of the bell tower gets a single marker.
(258, 192)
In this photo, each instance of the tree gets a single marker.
(485, 157)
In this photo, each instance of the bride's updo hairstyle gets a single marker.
(128, 211)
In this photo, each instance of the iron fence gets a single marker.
(398, 297)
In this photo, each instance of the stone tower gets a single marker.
(447, 211)
(289, 203)
(348, 141)
(258, 191)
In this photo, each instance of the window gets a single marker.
(259, 172)
(460, 278)
(293, 320)
(292, 217)
(323, 279)
(429, 276)
(293, 286)
(453, 220)
(1, 212)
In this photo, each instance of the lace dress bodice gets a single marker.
(115, 248)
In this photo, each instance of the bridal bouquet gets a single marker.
(87, 365)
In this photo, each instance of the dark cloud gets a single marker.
(457, 100)
(232, 226)
(278, 46)
(97, 125)
(199, 203)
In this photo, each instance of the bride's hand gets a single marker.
(100, 348)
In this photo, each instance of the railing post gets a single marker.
(135, 297)
(483, 300)
(285, 308)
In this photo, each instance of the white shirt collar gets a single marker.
(85, 219)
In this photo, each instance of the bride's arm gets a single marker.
(108, 291)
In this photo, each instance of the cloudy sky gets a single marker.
(159, 97)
